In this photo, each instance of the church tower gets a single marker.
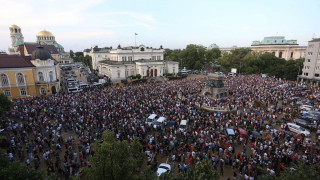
(16, 39)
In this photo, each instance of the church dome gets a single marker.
(45, 33)
(41, 53)
(15, 26)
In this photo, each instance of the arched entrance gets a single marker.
(148, 73)
(155, 73)
(151, 72)
(53, 90)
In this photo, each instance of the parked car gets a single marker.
(163, 168)
(151, 119)
(183, 125)
(298, 129)
(304, 123)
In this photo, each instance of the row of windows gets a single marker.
(306, 67)
(5, 80)
(45, 38)
(309, 53)
(156, 57)
(21, 79)
(23, 92)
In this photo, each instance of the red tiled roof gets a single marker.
(31, 47)
(14, 61)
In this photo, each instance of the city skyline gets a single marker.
(174, 24)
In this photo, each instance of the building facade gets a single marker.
(146, 61)
(280, 47)
(28, 76)
(97, 54)
(44, 38)
(311, 68)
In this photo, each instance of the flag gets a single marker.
(135, 33)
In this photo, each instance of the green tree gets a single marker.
(71, 54)
(213, 54)
(5, 103)
(16, 170)
(116, 159)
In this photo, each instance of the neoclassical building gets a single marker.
(143, 60)
(280, 47)
(44, 38)
(28, 76)
(97, 54)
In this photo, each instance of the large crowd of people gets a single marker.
(56, 133)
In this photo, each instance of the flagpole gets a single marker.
(135, 40)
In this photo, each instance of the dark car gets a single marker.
(304, 123)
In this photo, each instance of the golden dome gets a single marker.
(45, 33)
(14, 26)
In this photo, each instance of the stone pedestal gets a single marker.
(215, 86)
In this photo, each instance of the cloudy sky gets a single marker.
(79, 24)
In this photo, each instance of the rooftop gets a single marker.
(315, 40)
(14, 61)
(274, 40)
(31, 47)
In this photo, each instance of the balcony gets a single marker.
(46, 82)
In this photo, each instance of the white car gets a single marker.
(298, 129)
(151, 119)
(163, 168)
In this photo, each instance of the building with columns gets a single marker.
(311, 68)
(280, 47)
(146, 61)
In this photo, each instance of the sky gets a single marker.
(80, 24)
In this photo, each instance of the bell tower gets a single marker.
(16, 39)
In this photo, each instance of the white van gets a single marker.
(158, 122)
(298, 129)
(73, 90)
(183, 125)
(306, 107)
(151, 119)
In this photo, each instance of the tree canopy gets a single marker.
(5, 103)
(117, 159)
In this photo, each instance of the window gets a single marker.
(129, 58)
(174, 70)
(158, 57)
(20, 78)
(308, 60)
(118, 73)
(51, 76)
(316, 75)
(7, 93)
(153, 57)
(23, 92)
(4, 80)
(307, 74)
(127, 72)
(291, 55)
(310, 53)
(40, 76)
(132, 72)
(42, 91)
(280, 54)
(124, 58)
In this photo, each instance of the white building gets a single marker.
(311, 68)
(97, 54)
(146, 61)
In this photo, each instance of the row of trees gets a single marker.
(79, 57)
(246, 61)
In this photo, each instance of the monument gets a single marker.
(215, 84)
